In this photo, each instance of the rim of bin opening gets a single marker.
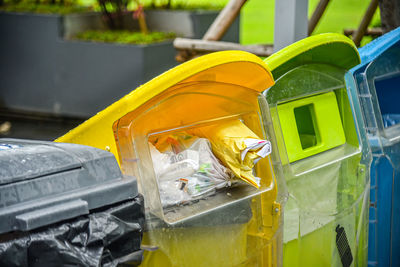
(315, 49)
(83, 133)
(328, 48)
(375, 48)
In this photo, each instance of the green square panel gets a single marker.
(311, 125)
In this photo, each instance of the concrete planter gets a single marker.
(42, 71)
(190, 24)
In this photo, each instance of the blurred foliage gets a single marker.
(257, 19)
(184, 4)
(114, 10)
(44, 6)
(72, 6)
(124, 37)
(43, 2)
(167, 4)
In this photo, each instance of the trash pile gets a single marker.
(194, 164)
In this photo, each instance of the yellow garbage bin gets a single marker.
(148, 130)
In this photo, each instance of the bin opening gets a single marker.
(193, 164)
(387, 89)
(312, 117)
(311, 125)
(180, 126)
(305, 125)
(380, 80)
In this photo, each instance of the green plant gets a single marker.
(114, 11)
(185, 4)
(43, 6)
(124, 37)
(139, 15)
(41, 2)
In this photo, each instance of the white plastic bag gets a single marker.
(189, 175)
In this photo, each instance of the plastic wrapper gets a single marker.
(237, 147)
(106, 237)
(188, 174)
(390, 119)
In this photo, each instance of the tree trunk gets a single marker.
(366, 20)
(108, 15)
(225, 19)
(390, 14)
(143, 24)
(118, 15)
(317, 14)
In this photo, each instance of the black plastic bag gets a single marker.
(106, 237)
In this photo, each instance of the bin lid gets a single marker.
(228, 67)
(375, 48)
(315, 49)
(44, 182)
(311, 66)
(374, 82)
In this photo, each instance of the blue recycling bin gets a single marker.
(375, 83)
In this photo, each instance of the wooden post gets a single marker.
(224, 20)
(374, 32)
(390, 14)
(218, 28)
(316, 16)
(203, 46)
(366, 20)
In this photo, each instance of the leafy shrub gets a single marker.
(124, 37)
(185, 4)
(43, 8)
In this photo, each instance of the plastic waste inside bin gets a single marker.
(66, 204)
(375, 85)
(322, 151)
(238, 223)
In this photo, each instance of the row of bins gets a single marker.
(318, 168)
(240, 161)
(375, 84)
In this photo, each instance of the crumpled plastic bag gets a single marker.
(390, 119)
(190, 174)
(237, 147)
(108, 237)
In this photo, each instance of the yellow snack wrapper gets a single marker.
(176, 142)
(237, 147)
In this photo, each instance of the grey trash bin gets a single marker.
(66, 204)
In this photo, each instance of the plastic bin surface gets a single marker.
(375, 85)
(239, 225)
(323, 151)
(60, 205)
(44, 182)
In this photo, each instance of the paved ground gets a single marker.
(37, 127)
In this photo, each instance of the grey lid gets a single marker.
(45, 182)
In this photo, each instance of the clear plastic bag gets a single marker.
(189, 175)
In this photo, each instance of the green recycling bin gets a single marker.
(325, 160)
